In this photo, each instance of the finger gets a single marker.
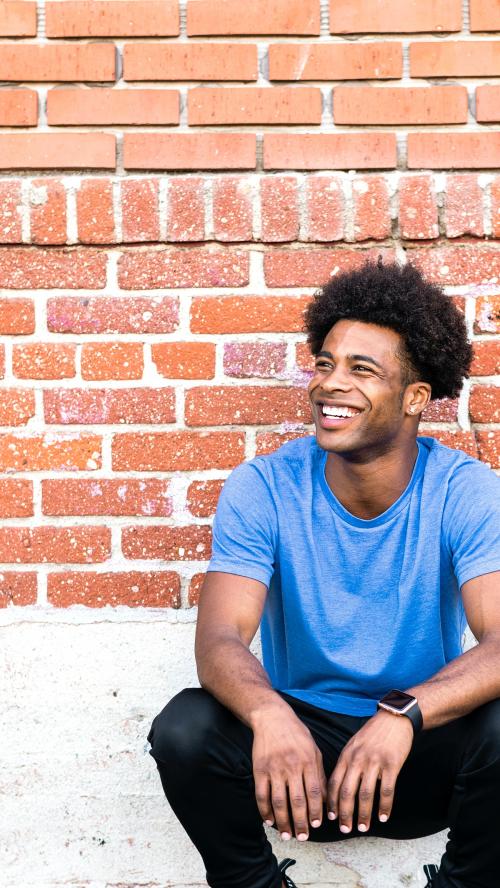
(279, 801)
(347, 797)
(298, 804)
(316, 791)
(263, 798)
(365, 799)
(334, 784)
(387, 787)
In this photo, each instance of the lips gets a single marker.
(332, 415)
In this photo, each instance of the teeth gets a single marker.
(338, 411)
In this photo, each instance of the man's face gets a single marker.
(356, 390)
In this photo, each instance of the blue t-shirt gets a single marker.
(356, 607)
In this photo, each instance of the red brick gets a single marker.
(2, 361)
(304, 360)
(65, 61)
(495, 207)
(484, 405)
(205, 17)
(33, 268)
(17, 18)
(372, 214)
(186, 209)
(202, 497)
(112, 314)
(184, 360)
(189, 151)
(17, 406)
(463, 206)
(74, 545)
(335, 61)
(248, 314)
(325, 208)
(190, 61)
(453, 150)
(279, 208)
(454, 438)
(94, 208)
(43, 360)
(486, 358)
(340, 151)
(176, 451)
(245, 405)
(112, 360)
(484, 15)
(70, 151)
(276, 105)
(96, 406)
(10, 212)
(418, 214)
(18, 107)
(394, 17)
(312, 268)
(455, 266)
(191, 543)
(268, 442)
(16, 498)
(15, 587)
(264, 359)
(131, 589)
(488, 445)
(112, 106)
(232, 209)
(123, 496)
(192, 267)
(455, 58)
(140, 212)
(444, 410)
(94, 18)
(369, 105)
(488, 103)
(47, 211)
(195, 585)
(487, 315)
(51, 452)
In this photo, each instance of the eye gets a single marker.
(322, 364)
(362, 367)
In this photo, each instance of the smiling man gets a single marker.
(362, 552)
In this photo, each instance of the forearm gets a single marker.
(467, 682)
(228, 669)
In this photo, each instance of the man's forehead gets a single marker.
(352, 336)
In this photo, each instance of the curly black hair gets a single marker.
(436, 348)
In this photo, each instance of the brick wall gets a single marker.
(175, 181)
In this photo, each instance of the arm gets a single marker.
(285, 757)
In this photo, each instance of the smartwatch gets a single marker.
(400, 703)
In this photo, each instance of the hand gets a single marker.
(287, 760)
(377, 750)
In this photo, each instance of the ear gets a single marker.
(416, 398)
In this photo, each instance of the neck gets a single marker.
(369, 487)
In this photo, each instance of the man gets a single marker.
(365, 550)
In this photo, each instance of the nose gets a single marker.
(336, 380)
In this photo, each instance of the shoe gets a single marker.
(430, 870)
(284, 866)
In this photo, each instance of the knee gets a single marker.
(484, 736)
(181, 732)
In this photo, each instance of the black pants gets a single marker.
(450, 779)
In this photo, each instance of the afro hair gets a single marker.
(437, 350)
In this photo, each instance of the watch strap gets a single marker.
(414, 713)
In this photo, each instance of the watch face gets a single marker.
(397, 699)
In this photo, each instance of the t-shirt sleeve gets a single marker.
(472, 521)
(245, 526)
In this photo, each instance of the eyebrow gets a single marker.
(327, 354)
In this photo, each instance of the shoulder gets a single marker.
(456, 467)
(286, 464)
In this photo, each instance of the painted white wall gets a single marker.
(81, 800)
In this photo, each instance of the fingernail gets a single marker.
(302, 837)
(345, 829)
(362, 827)
(268, 822)
(332, 815)
(383, 817)
(316, 823)
(285, 836)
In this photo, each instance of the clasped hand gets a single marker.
(291, 788)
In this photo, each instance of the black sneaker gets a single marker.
(284, 866)
(430, 870)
